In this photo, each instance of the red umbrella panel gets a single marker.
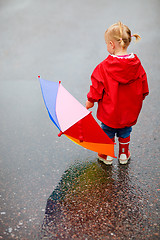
(73, 119)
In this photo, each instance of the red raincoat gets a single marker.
(119, 85)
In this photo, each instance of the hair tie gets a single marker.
(132, 36)
(120, 39)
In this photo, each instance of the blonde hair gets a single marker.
(120, 33)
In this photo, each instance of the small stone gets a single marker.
(20, 222)
(9, 229)
(3, 213)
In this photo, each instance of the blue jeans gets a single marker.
(119, 132)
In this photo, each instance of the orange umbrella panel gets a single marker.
(107, 149)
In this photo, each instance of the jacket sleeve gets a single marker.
(97, 86)
(145, 85)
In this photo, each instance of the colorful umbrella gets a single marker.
(73, 119)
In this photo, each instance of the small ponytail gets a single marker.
(138, 38)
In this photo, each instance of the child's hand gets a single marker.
(89, 104)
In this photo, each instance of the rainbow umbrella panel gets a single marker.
(73, 119)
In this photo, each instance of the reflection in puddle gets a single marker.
(95, 201)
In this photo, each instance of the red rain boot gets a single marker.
(106, 159)
(124, 154)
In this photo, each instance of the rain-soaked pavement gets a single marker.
(50, 187)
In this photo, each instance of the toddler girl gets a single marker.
(119, 85)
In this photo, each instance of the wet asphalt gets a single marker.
(50, 187)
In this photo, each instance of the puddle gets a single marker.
(95, 201)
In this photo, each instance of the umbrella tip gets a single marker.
(38, 76)
(60, 134)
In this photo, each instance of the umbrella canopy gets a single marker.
(73, 119)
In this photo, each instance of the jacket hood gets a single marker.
(123, 70)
